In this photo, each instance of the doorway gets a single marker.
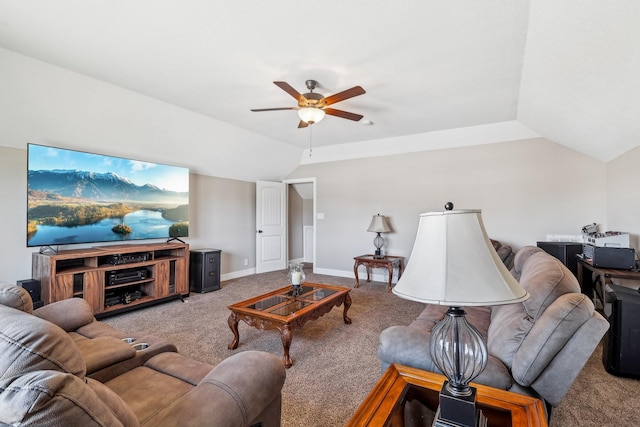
(285, 223)
(301, 221)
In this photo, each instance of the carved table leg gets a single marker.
(368, 273)
(355, 271)
(390, 278)
(233, 324)
(347, 304)
(286, 334)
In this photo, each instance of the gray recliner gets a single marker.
(44, 381)
(536, 347)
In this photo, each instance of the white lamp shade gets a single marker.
(453, 263)
(379, 224)
(311, 114)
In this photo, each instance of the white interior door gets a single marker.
(271, 226)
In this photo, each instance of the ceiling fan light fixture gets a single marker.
(311, 114)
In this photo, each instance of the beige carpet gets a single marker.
(335, 365)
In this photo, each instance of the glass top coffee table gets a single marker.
(284, 309)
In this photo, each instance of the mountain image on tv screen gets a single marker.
(77, 197)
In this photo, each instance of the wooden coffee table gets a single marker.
(282, 310)
(389, 403)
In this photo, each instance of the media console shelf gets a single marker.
(113, 279)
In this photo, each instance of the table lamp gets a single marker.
(454, 263)
(379, 224)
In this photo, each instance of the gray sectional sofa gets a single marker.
(536, 347)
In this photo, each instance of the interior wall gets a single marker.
(48, 105)
(623, 201)
(223, 213)
(222, 216)
(526, 190)
(15, 257)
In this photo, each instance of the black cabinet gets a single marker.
(204, 270)
(565, 251)
(621, 349)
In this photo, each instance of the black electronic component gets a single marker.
(118, 277)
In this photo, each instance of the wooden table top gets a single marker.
(384, 404)
(282, 306)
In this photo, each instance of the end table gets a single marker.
(409, 396)
(370, 261)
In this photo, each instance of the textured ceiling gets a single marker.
(567, 71)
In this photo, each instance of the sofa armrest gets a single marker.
(549, 335)
(570, 361)
(409, 346)
(70, 314)
(101, 352)
(558, 360)
(240, 391)
(405, 345)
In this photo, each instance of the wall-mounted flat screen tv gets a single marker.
(77, 197)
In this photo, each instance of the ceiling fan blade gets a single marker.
(345, 94)
(342, 114)
(291, 91)
(302, 124)
(274, 109)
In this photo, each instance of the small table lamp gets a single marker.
(379, 224)
(453, 263)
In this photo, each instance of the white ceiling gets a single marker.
(568, 71)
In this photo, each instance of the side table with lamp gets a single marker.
(453, 263)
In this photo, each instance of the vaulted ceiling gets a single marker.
(564, 70)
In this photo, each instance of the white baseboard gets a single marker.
(236, 274)
(376, 277)
(362, 276)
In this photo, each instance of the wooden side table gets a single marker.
(594, 280)
(409, 396)
(370, 261)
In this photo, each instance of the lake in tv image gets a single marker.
(77, 197)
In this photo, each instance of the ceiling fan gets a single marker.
(312, 106)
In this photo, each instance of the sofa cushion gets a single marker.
(60, 399)
(179, 366)
(147, 391)
(479, 317)
(509, 325)
(16, 297)
(28, 343)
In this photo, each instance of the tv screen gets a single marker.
(77, 197)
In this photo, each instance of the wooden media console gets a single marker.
(113, 279)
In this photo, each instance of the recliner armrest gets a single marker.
(100, 352)
(549, 335)
(70, 314)
(245, 387)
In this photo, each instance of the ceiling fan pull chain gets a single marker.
(310, 147)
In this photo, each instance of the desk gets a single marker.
(395, 399)
(370, 261)
(595, 279)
